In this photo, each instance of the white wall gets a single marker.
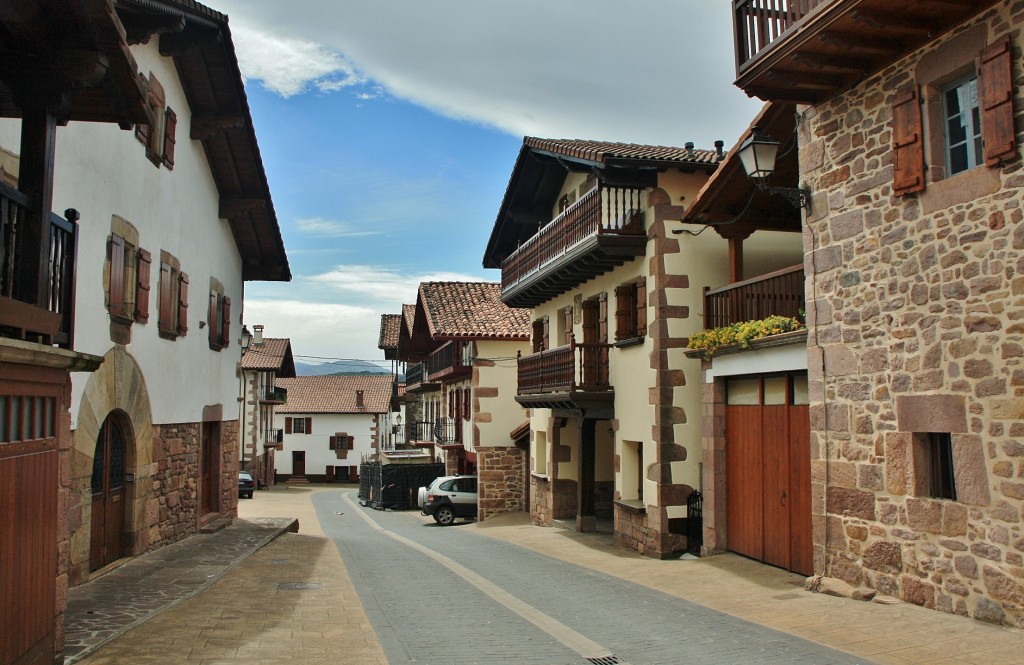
(102, 171)
(317, 445)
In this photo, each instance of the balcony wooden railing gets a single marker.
(780, 293)
(758, 23)
(42, 312)
(415, 375)
(273, 394)
(565, 369)
(274, 437)
(447, 361)
(602, 211)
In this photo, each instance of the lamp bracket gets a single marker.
(797, 197)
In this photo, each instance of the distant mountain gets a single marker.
(339, 367)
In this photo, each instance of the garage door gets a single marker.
(768, 469)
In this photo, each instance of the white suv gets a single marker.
(448, 498)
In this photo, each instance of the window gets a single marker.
(158, 138)
(631, 310)
(969, 111)
(341, 441)
(219, 317)
(298, 425)
(933, 465)
(173, 298)
(963, 125)
(540, 335)
(127, 274)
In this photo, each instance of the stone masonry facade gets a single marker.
(916, 325)
(500, 480)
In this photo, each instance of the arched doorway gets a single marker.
(108, 492)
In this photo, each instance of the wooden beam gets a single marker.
(859, 44)
(207, 126)
(902, 22)
(813, 81)
(233, 207)
(831, 63)
(139, 28)
(174, 44)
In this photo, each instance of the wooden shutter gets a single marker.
(144, 260)
(547, 330)
(225, 331)
(212, 320)
(602, 318)
(567, 325)
(182, 327)
(164, 311)
(332, 442)
(995, 83)
(142, 131)
(287, 425)
(624, 308)
(351, 442)
(170, 124)
(466, 406)
(641, 307)
(451, 403)
(116, 294)
(907, 142)
(538, 336)
(309, 425)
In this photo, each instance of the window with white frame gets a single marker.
(963, 124)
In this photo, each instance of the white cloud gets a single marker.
(387, 288)
(657, 71)
(318, 226)
(290, 66)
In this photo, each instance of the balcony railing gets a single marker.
(274, 437)
(758, 23)
(448, 361)
(44, 311)
(414, 375)
(275, 395)
(566, 369)
(602, 211)
(780, 293)
(440, 431)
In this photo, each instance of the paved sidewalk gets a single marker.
(145, 586)
(293, 602)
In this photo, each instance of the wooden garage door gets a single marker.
(768, 468)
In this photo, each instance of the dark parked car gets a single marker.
(449, 497)
(246, 485)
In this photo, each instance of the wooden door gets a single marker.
(108, 495)
(768, 471)
(298, 463)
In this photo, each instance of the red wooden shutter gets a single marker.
(351, 442)
(225, 332)
(907, 143)
(624, 311)
(142, 131)
(547, 330)
(182, 304)
(567, 325)
(212, 320)
(164, 313)
(641, 307)
(602, 318)
(144, 261)
(466, 406)
(995, 82)
(170, 124)
(116, 295)
(451, 403)
(287, 425)
(309, 425)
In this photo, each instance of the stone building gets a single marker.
(914, 250)
(264, 361)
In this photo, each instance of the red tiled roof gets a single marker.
(471, 309)
(601, 151)
(409, 314)
(390, 326)
(273, 354)
(336, 394)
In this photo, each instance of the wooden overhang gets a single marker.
(69, 58)
(835, 44)
(731, 204)
(199, 41)
(588, 403)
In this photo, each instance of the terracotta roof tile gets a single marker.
(409, 314)
(270, 355)
(601, 151)
(472, 309)
(390, 327)
(336, 394)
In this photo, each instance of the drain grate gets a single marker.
(299, 586)
(605, 660)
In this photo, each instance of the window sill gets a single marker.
(168, 335)
(635, 506)
(626, 343)
(540, 476)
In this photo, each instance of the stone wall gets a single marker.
(173, 507)
(500, 480)
(915, 315)
(540, 501)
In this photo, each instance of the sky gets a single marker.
(389, 129)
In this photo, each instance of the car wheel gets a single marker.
(445, 516)
(249, 495)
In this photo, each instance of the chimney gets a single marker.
(257, 334)
(689, 149)
(359, 399)
(719, 145)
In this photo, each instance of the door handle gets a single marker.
(782, 499)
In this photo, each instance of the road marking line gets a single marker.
(556, 629)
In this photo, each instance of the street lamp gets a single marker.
(757, 154)
(246, 337)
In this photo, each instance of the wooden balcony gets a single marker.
(448, 362)
(36, 309)
(273, 396)
(416, 380)
(575, 376)
(807, 51)
(600, 231)
(780, 293)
